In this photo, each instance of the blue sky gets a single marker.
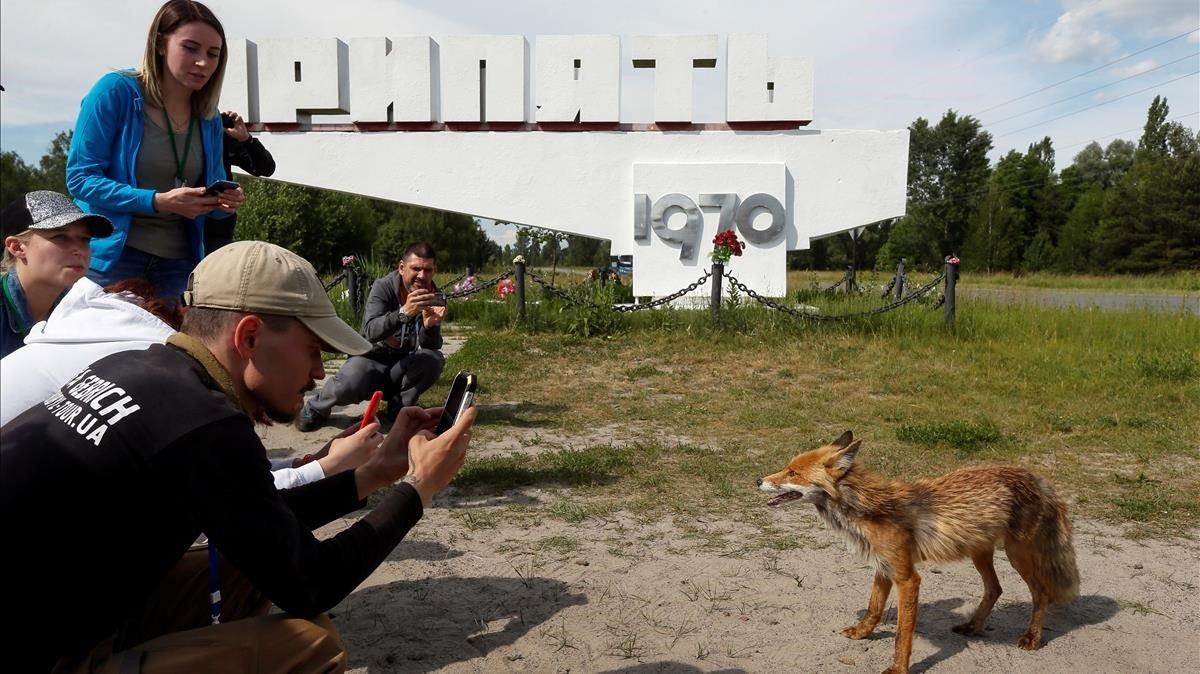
(879, 65)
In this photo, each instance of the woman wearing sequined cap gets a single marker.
(147, 143)
(45, 252)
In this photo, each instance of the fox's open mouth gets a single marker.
(785, 497)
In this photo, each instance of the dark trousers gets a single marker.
(218, 232)
(174, 633)
(402, 381)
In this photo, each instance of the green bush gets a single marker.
(964, 436)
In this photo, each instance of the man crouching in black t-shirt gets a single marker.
(106, 484)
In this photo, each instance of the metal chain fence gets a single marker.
(705, 278)
(334, 281)
(620, 308)
(768, 302)
(479, 288)
(451, 283)
(626, 308)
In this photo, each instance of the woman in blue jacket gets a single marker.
(146, 145)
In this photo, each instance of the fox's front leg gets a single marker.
(908, 590)
(880, 590)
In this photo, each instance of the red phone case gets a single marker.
(371, 408)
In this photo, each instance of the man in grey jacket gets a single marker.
(402, 321)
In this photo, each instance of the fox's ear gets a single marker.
(844, 458)
(843, 439)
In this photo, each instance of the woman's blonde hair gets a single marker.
(9, 259)
(170, 17)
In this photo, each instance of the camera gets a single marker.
(439, 299)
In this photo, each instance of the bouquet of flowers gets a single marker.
(726, 245)
(506, 288)
(347, 260)
(465, 285)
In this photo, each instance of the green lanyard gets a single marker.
(18, 318)
(187, 147)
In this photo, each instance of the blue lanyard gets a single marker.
(214, 584)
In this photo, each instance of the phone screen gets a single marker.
(462, 396)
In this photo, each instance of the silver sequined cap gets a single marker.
(44, 209)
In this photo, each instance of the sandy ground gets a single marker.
(622, 594)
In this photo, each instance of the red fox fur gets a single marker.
(962, 515)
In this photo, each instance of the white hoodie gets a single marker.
(87, 325)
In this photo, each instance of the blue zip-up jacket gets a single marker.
(102, 164)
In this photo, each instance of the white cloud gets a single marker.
(1088, 30)
(1147, 18)
(1076, 37)
(1136, 68)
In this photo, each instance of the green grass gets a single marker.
(1178, 366)
(1184, 281)
(1147, 501)
(561, 545)
(1177, 282)
(1078, 395)
(566, 468)
(967, 437)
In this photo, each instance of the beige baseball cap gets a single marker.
(260, 277)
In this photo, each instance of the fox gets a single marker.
(960, 515)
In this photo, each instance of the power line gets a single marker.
(1084, 93)
(969, 61)
(1118, 133)
(1075, 77)
(1090, 107)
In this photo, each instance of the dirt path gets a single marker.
(471, 592)
(632, 596)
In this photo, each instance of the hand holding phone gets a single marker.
(220, 186)
(372, 407)
(462, 396)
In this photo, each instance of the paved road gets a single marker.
(1165, 302)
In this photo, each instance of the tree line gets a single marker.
(1122, 208)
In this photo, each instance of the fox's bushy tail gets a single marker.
(1055, 566)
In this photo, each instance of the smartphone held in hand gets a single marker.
(462, 396)
(220, 186)
(372, 408)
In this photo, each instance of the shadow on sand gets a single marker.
(1006, 624)
(429, 623)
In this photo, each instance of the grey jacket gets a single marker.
(384, 317)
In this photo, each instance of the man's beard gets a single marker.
(280, 416)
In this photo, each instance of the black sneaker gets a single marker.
(308, 420)
(391, 409)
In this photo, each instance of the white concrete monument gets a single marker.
(445, 123)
